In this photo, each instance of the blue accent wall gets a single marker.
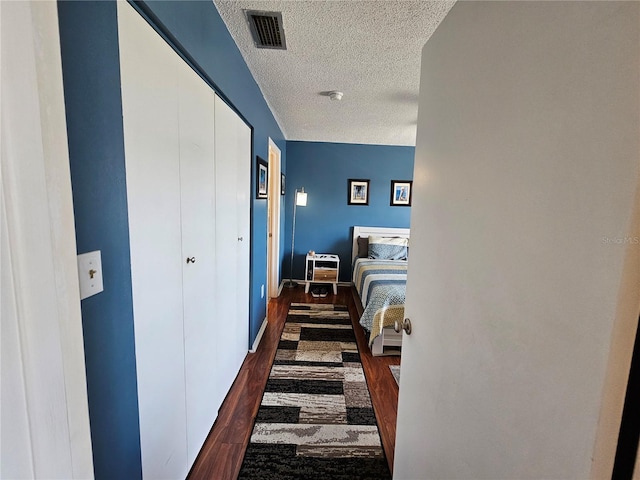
(91, 71)
(91, 74)
(325, 224)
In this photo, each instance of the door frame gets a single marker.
(44, 403)
(273, 221)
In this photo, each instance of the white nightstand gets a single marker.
(322, 268)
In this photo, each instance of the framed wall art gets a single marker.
(358, 191)
(262, 180)
(401, 193)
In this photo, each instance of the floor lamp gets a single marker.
(300, 199)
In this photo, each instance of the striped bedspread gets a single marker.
(381, 285)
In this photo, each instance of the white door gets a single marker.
(232, 239)
(188, 180)
(44, 416)
(150, 107)
(520, 298)
(197, 196)
(243, 199)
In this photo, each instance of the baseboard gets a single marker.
(256, 342)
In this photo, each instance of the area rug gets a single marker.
(395, 371)
(316, 419)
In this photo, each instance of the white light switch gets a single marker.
(90, 273)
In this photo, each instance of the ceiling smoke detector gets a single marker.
(335, 95)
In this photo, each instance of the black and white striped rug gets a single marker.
(316, 419)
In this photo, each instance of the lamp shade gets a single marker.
(301, 198)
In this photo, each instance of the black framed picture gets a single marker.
(282, 184)
(262, 180)
(401, 193)
(358, 191)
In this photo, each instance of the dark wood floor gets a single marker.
(222, 453)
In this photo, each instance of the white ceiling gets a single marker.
(368, 49)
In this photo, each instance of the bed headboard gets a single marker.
(380, 231)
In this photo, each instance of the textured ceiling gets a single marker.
(368, 49)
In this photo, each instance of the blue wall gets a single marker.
(323, 169)
(90, 58)
(90, 61)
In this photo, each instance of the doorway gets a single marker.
(273, 221)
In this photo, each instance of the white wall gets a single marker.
(526, 176)
(44, 413)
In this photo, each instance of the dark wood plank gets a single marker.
(382, 385)
(221, 455)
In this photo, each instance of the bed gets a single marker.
(379, 287)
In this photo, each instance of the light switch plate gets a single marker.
(90, 274)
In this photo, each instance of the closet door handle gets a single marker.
(191, 259)
(240, 239)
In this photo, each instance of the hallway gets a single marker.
(222, 454)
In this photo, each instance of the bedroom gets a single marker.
(92, 85)
(326, 224)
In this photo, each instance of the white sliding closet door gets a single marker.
(243, 198)
(243, 253)
(196, 120)
(152, 151)
(233, 163)
(188, 159)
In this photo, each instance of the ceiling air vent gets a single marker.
(266, 29)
